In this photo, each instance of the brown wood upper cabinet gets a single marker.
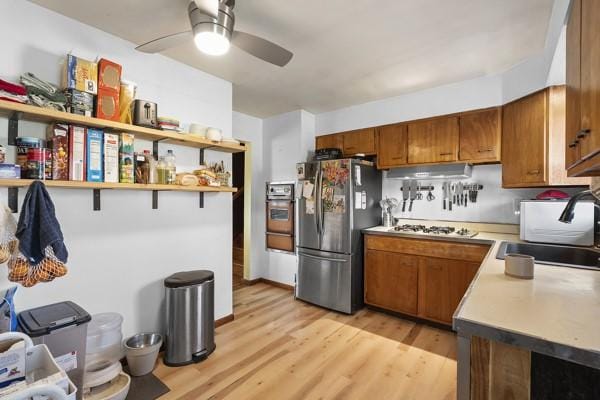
(433, 140)
(359, 141)
(392, 148)
(582, 145)
(480, 134)
(533, 137)
(335, 141)
(525, 141)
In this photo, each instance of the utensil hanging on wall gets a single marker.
(405, 193)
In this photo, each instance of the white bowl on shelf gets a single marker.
(197, 130)
(214, 134)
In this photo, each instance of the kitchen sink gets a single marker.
(565, 256)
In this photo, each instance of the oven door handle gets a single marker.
(279, 234)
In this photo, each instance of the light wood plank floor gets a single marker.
(280, 348)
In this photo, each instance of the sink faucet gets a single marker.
(569, 212)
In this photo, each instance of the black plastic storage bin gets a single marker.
(63, 328)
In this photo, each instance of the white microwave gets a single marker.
(539, 223)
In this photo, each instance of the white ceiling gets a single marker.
(345, 52)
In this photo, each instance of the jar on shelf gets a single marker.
(142, 167)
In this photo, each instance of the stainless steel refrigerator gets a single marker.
(335, 200)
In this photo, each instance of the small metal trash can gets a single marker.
(190, 298)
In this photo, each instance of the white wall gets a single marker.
(287, 139)
(532, 74)
(454, 97)
(248, 128)
(120, 255)
(558, 69)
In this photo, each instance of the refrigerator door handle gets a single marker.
(341, 260)
(317, 201)
(321, 213)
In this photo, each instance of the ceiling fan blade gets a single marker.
(165, 42)
(261, 48)
(208, 7)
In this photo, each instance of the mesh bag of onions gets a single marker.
(19, 268)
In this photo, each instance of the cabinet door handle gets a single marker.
(533, 172)
(446, 154)
(583, 133)
(398, 158)
(484, 151)
(574, 143)
(351, 148)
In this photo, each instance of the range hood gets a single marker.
(437, 171)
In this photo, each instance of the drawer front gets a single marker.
(428, 248)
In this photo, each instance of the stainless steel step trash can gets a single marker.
(190, 298)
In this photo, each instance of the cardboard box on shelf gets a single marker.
(76, 153)
(10, 171)
(126, 97)
(80, 74)
(80, 103)
(107, 105)
(111, 157)
(126, 164)
(109, 75)
(58, 142)
(94, 145)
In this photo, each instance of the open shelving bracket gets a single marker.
(13, 127)
(96, 199)
(155, 154)
(13, 199)
(201, 160)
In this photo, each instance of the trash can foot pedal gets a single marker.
(199, 356)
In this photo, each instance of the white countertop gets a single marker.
(560, 305)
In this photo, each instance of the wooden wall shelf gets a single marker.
(13, 186)
(17, 111)
(119, 186)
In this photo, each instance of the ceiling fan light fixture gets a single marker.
(212, 43)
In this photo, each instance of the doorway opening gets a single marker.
(242, 180)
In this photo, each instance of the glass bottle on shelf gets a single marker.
(153, 178)
(171, 167)
(162, 171)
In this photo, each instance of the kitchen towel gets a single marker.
(38, 227)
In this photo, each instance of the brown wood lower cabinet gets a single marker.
(442, 283)
(419, 277)
(392, 281)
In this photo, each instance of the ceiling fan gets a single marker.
(212, 24)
